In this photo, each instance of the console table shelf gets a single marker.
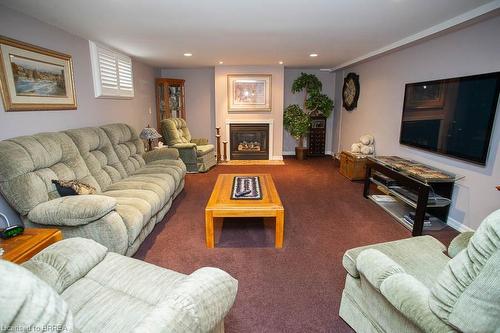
(410, 194)
(439, 201)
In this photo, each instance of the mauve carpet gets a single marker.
(297, 288)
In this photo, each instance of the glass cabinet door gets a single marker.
(162, 105)
(169, 99)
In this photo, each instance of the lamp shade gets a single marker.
(149, 133)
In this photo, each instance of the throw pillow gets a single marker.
(72, 187)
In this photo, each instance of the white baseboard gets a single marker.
(457, 225)
(290, 153)
(277, 158)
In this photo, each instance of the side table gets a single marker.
(353, 166)
(21, 248)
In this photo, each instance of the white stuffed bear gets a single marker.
(365, 145)
(367, 150)
(366, 139)
(356, 147)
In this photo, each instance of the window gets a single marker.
(112, 72)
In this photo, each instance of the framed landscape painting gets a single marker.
(249, 92)
(33, 78)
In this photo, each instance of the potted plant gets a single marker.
(297, 123)
(315, 103)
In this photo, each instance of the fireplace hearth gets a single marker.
(249, 141)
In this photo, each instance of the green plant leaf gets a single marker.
(319, 103)
(296, 122)
(309, 82)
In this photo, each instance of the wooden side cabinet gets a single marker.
(21, 248)
(317, 136)
(352, 166)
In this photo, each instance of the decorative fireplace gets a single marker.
(249, 141)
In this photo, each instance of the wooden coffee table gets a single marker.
(221, 205)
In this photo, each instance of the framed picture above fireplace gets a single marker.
(249, 92)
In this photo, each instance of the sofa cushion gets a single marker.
(63, 263)
(425, 266)
(72, 210)
(128, 146)
(118, 293)
(204, 149)
(99, 155)
(163, 170)
(136, 213)
(147, 195)
(471, 281)
(29, 164)
(163, 185)
(174, 131)
(28, 302)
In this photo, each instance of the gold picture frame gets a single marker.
(249, 92)
(35, 79)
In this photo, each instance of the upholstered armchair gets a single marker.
(197, 154)
(411, 285)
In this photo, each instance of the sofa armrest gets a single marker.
(410, 297)
(63, 263)
(185, 145)
(197, 304)
(459, 243)
(72, 210)
(376, 267)
(161, 154)
(200, 142)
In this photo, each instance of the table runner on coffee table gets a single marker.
(246, 187)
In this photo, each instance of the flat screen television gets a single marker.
(453, 117)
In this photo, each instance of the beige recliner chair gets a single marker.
(197, 154)
(411, 285)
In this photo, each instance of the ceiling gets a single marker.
(255, 32)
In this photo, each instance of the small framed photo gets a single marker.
(249, 92)
(33, 78)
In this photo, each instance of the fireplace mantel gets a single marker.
(252, 121)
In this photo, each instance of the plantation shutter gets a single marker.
(112, 71)
(125, 74)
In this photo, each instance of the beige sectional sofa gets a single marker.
(77, 285)
(134, 189)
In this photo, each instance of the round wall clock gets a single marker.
(350, 91)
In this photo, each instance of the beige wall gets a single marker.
(221, 114)
(473, 50)
(91, 111)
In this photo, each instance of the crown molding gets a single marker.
(459, 20)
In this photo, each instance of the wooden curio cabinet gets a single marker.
(169, 99)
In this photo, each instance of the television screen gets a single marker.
(452, 117)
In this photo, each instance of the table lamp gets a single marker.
(149, 134)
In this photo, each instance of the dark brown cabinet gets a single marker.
(317, 136)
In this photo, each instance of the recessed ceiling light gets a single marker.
(280, 62)
(188, 54)
(313, 55)
(221, 62)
